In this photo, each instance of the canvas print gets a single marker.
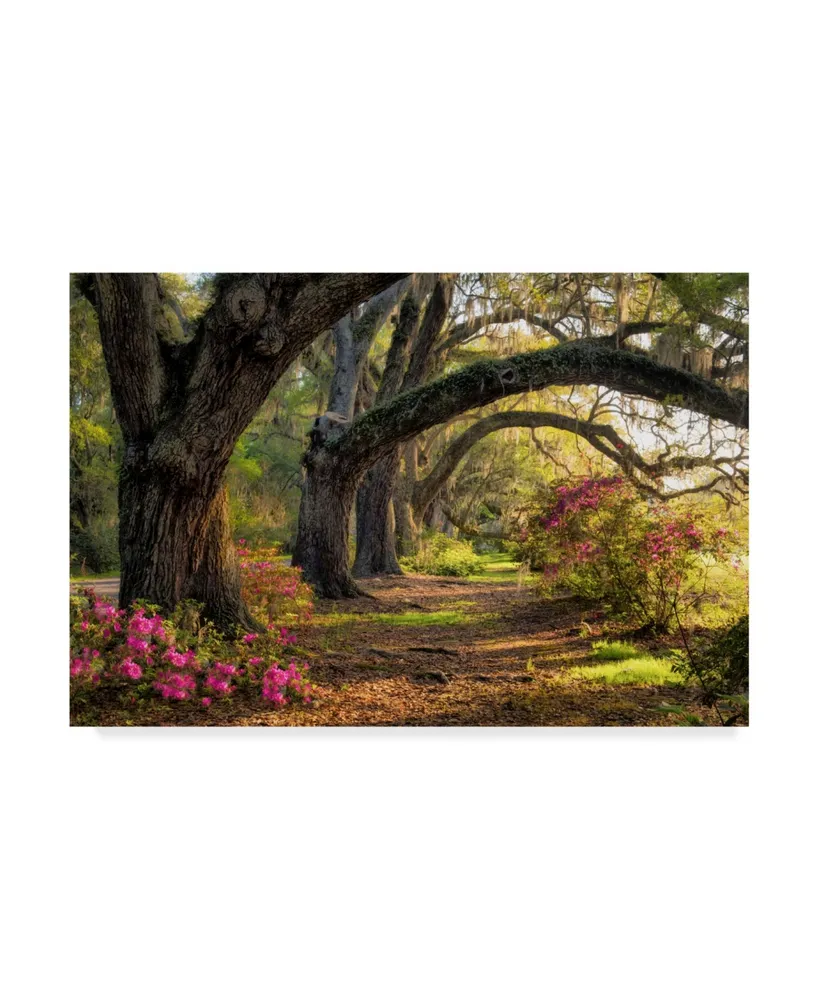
(409, 499)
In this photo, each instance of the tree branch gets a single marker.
(586, 363)
(352, 338)
(128, 307)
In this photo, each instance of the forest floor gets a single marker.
(436, 651)
(487, 651)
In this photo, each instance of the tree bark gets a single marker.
(352, 339)
(406, 530)
(375, 552)
(321, 547)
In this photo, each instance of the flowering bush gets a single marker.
(139, 654)
(602, 539)
(272, 590)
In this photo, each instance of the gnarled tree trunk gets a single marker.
(177, 544)
(321, 547)
(182, 407)
(375, 553)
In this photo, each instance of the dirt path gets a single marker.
(431, 651)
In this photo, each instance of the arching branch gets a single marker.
(603, 437)
(372, 434)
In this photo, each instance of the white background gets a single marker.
(432, 136)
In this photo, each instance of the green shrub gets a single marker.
(444, 556)
(722, 665)
(96, 546)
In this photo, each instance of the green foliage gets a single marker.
(440, 555)
(94, 446)
(193, 296)
(720, 664)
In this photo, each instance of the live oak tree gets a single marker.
(182, 397)
(335, 463)
(608, 309)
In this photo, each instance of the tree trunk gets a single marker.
(375, 553)
(321, 548)
(406, 531)
(217, 581)
(175, 544)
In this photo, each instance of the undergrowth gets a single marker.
(648, 670)
(440, 555)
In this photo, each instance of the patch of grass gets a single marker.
(493, 557)
(640, 670)
(490, 577)
(607, 651)
(498, 568)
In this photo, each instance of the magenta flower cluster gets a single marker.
(588, 495)
(143, 647)
(277, 683)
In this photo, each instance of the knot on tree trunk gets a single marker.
(270, 341)
(246, 303)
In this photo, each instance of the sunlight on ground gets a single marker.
(498, 568)
(541, 640)
(411, 618)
